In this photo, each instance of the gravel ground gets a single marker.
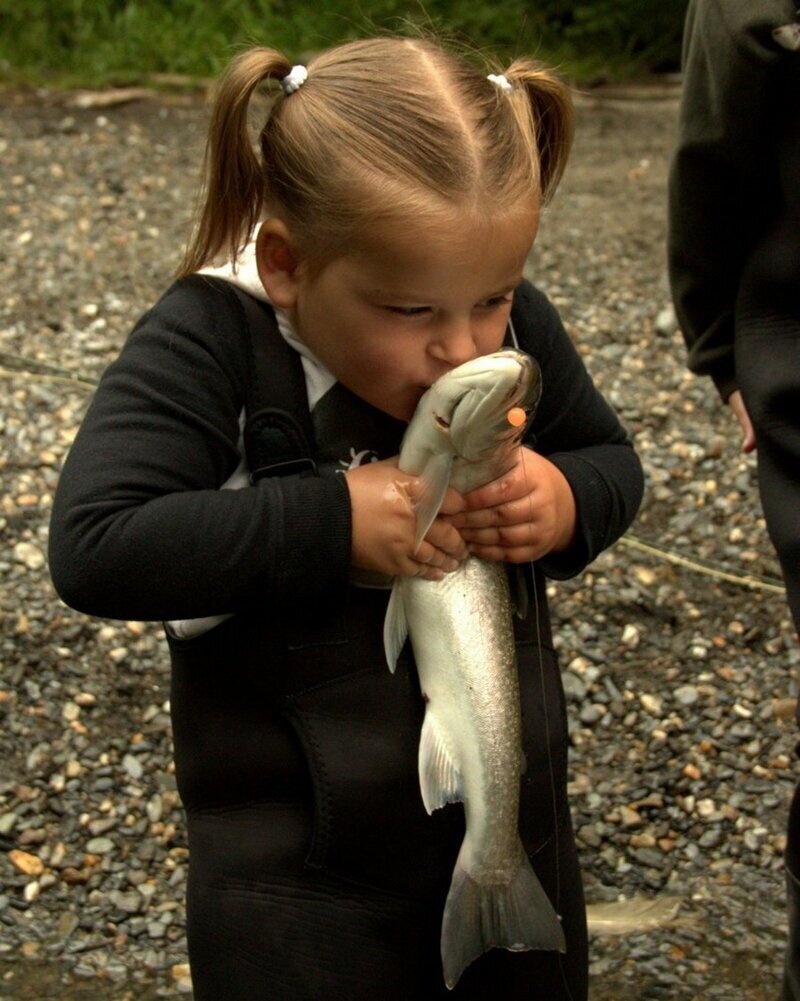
(679, 682)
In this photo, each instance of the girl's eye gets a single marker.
(408, 310)
(494, 303)
(498, 300)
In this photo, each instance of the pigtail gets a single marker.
(234, 187)
(549, 114)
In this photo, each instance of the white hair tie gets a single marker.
(294, 79)
(500, 80)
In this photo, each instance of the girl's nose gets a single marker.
(453, 342)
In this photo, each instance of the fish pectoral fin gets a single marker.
(435, 477)
(395, 625)
(440, 779)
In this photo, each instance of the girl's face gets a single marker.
(409, 303)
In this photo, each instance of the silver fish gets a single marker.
(462, 636)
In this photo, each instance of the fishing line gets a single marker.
(71, 380)
(513, 419)
(546, 715)
(754, 581)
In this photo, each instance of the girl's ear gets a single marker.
(277, 263)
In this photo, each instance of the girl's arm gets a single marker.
(140, 528)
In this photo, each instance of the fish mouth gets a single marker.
(522, 388)
(470, 403)
(446, 423)
(526, 387)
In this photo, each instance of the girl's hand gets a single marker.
(736, 403)
(383, 525)
(521, 516)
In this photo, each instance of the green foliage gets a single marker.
(102, 41)
(643, 29)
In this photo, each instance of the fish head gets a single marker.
(470, 404)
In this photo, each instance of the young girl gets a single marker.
(387, 220)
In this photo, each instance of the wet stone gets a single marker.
(100, 846)
(650, 857)
(574, 686)
(686, 695)
(711, 838)
(131, 902)
(7, 823)
(133, 766)
(592, 714)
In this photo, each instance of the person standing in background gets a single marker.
(734, 267)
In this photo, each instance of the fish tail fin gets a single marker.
(516, 915)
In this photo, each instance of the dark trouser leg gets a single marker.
(768, 365)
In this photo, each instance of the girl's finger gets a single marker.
(452, 503)
(502, 491)
(511, 513)
(425, 553)
(525, 534)
(444, 536)
(501, 554)
(430, 556)
(425, 571)
(430, 573)
(508, 487)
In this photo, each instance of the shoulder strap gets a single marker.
(278, 434)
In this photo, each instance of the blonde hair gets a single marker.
(381, 127)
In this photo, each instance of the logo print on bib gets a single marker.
(357, 459)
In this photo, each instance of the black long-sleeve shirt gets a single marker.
(141, 530)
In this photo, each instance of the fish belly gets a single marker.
(460, 630)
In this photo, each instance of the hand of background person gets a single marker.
(736, 403)
(384, 523)
(521, 516)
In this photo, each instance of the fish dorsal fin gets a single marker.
(395, 625)
(440, 779)
(435, 476)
